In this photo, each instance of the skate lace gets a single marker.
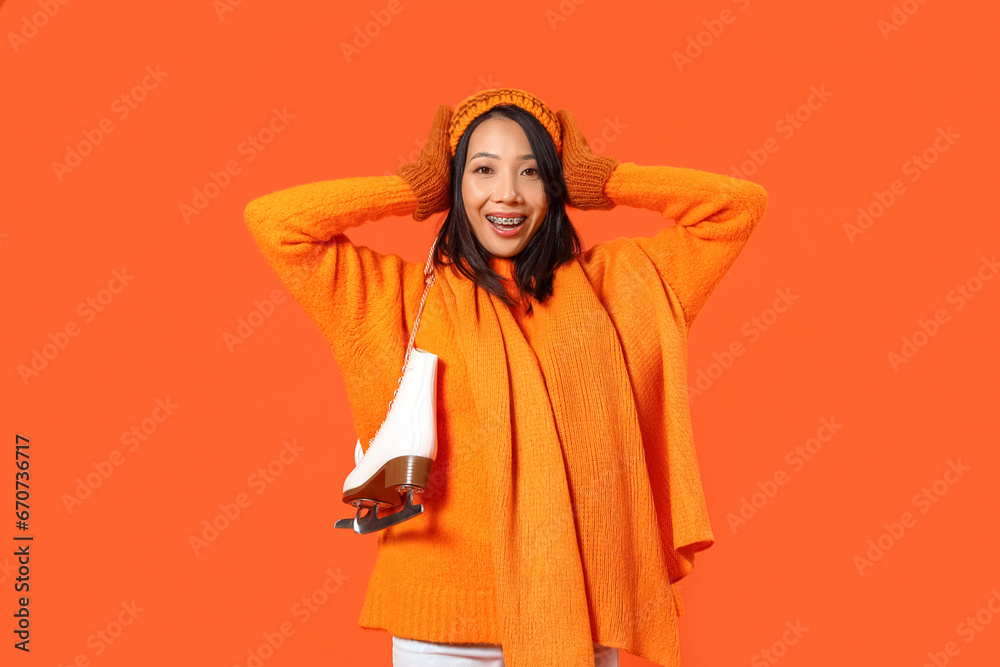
(428, 281)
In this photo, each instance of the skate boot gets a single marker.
(397, 463)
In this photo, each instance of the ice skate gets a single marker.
(397, 463)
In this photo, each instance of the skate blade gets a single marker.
(371, 522)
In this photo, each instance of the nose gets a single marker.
(507, 189)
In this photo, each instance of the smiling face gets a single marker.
(501, 179)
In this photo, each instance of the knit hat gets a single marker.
(475, 105)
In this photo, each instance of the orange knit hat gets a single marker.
(475, 105)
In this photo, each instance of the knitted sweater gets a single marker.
(565, 500)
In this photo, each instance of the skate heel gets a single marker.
(408, 471)
(395, 484)
(389, 485)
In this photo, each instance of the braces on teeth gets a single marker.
(495, 220)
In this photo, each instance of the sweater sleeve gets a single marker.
(714, 214)
(352, 293)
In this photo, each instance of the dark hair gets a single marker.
(556, 241)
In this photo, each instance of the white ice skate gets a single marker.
(399, 457)
(398, 460)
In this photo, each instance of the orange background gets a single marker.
(827, 356)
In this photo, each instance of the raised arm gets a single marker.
(351, 292)
(354, 295)
(714, 215)
(300, 232)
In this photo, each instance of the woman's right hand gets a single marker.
(430, 175)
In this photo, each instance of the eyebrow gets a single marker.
(529, 156)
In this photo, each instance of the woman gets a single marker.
(565, 499)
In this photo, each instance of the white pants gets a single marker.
(415, 653)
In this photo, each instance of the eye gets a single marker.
(530, 171)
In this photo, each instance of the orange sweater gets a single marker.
(565, 499)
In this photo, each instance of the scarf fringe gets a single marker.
(677, 600)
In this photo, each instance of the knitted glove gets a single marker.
(585, 173)
(430, 175)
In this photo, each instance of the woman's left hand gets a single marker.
(584, 172)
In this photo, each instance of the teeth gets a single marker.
(506, 222)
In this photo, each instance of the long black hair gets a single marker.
(556, 241)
